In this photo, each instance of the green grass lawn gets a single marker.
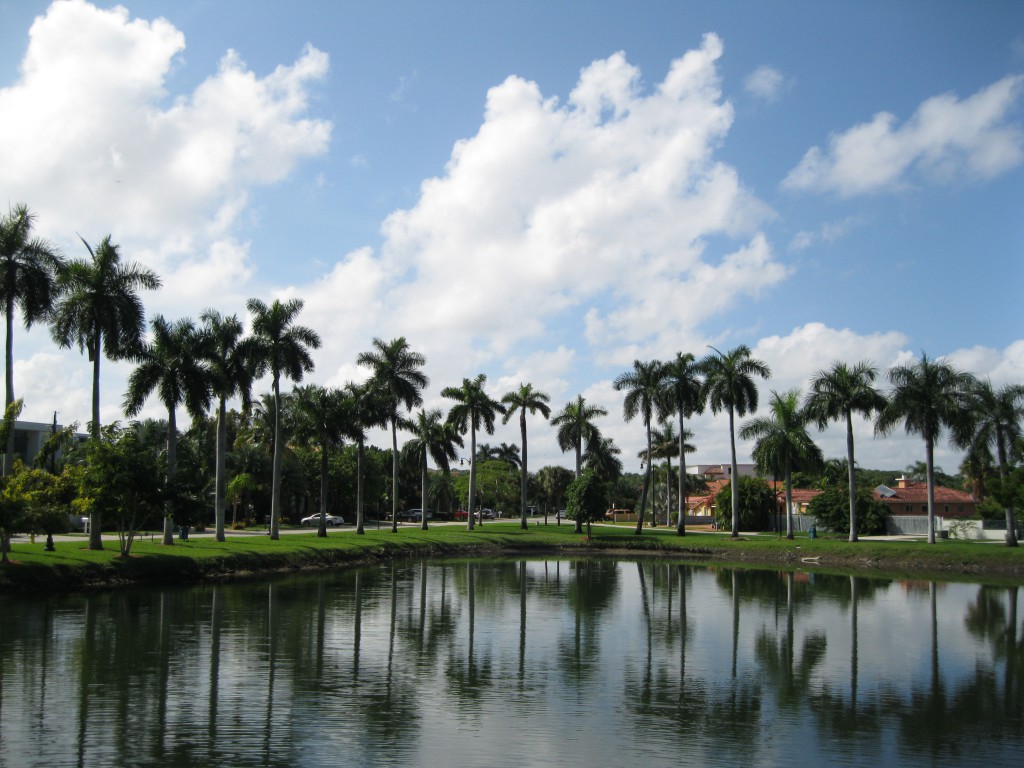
(74, 566)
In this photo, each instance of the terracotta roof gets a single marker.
(917, 493)
(800, 495)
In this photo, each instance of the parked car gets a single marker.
(314, 520)
(414, 516)
(488, 514)
(611, 514)
(462, 514)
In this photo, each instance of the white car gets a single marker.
(314, 520)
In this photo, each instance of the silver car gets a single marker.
(315, 520)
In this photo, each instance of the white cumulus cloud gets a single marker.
(765, 83)
(96, 144)
(945, 138)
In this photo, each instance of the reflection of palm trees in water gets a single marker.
(216, 623)
(790, 676)
(994, 618)
(589, 592)
(470, 677)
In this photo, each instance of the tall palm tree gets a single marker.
(432, 437)
(665, 444)
(782, 444)
(838, 393)
(524, 400)
(282, 347)
(173, 366)
(232, 364)
(685, 397)
(576, 428)
(398, 377)
(645, 396)
(997, 415)
(28, 281)
(927, 396)
(473, 409)
(320, 415)
(363, 411)
(100, 311)
(729, 386)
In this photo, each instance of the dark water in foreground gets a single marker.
(510, 663)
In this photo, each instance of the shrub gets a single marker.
(585, 498)
(756, 502)
(831, 510)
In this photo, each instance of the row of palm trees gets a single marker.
(94, 303)
(927, 397)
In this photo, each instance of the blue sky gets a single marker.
(540, 192)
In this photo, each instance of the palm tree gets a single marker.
(602, 457)
(576, 428)
(172, 366)
(320, 416)
(525, 399)
(508, 453)
(729, 385)
(283, 348)
(473, 409)
(645, 396)
(666, 444)
(485, 452)
(231, 360)
(997, 417)
(363, 411)
(433, 437)
(99, 310)
(685, 397)
(838, 393)
(28, 280)
(783, 444)
(399, 380)
(927, 396)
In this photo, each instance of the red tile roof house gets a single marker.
(909, 499)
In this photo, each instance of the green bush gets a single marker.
(831, 510)
(586, 498)
(756, 502)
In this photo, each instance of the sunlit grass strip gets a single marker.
(74, 566)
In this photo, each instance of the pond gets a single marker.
(598, 662)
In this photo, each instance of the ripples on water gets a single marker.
(509, 663)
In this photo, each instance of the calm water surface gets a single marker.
(518, 663)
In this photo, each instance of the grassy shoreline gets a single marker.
(73, 567)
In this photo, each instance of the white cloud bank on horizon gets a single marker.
(944, 139)
(560, 241)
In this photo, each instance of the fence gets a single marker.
(801, 523)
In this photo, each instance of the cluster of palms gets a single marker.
(94, 303)
(927, 397)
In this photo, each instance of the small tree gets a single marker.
(123, 479)
(553, 481)
(45, 508)
(831, 510)
(585, 499)
(12, 515)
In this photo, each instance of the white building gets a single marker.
(720, 471)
